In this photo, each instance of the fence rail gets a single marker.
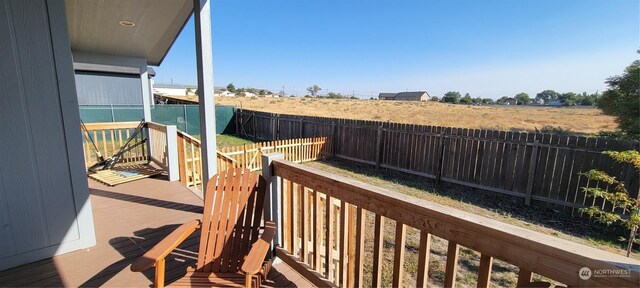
(322, 221)
(158, 144)
(246, 156)
(108, 138)
(296, 150)
(540, 168)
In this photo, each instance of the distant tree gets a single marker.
(588, 99)
(231, 88)
(466, 99)
(332, 95)
(451, 97)
(487, 101)
(568, 99)
(262, 92)
(477, 100)
(622, 100)
(547, 95)
(501, 100)
(314, 90)
(523, 98)
(435, 98)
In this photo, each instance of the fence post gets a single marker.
(272, 209)
(113, 117)
(533, 165)
(378, 147)
(244, 156)
(302, 128)
(333, 138)
(172, 153)
(255, 130)
(186, 121)
(443, 147)
(182, 164)
(276, 128)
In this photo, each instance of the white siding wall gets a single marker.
(44, 198)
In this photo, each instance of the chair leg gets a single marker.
(159, 281)
(248, 279)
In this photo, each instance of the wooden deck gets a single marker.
(129, 220)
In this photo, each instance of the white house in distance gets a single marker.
(175, 90)
(405, 96)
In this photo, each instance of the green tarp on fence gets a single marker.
(185, 117)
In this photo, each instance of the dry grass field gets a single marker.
(516, 118)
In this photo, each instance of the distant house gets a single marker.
(510, 101)
(386, 96)
(405, 96)
(555, 103)
(226, 94)
(175, 90)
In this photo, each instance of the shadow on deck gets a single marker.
(129, 219)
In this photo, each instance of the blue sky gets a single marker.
(485, 48)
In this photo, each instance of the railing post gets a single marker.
(113, 117)
(272, 209)
(533, 164)
(172, 153)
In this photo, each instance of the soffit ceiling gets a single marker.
(94, 26)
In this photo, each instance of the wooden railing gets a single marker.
(189, 154)
(189, 160)
(109, 137)
(158, 144)
(322, 226)
(295, 150)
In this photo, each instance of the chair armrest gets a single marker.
(164, 247)
(253, 262)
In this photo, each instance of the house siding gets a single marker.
(44, 198)
(104, 88)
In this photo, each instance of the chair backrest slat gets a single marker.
(231, 220)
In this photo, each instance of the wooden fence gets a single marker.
(246, 156)
(295, 150)
(540, 168)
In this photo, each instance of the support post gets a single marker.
(443, 147)
(273, 199)
(146, 94)
(204, 56)
(378, 147)
(172, 153)
(533, 165)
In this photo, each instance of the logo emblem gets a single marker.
(585, 273)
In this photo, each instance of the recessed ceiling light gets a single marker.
(126, 23)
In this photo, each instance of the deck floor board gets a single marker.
(129, 219)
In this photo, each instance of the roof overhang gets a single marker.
(95, 26)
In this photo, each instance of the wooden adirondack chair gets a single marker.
(229, 228)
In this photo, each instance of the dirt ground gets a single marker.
(518, 118)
